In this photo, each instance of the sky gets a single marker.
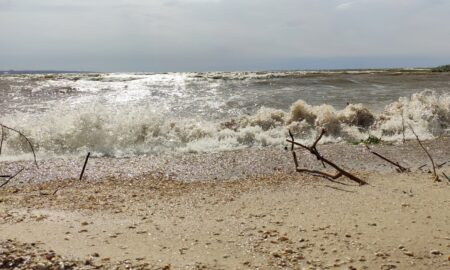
(214, 35)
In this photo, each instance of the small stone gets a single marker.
(435, 252)
(288, 251)
(283, 239)
(408, 253)
(276, 254)
(84, 223)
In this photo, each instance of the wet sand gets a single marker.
(261, 215)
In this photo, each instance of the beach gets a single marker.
(193, 170)
(272, 218)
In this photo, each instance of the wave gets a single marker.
(128, 130)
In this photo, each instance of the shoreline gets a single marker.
(229, 165)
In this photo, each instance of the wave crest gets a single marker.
(128, 131)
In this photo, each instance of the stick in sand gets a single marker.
(435, 175)
(84, 166)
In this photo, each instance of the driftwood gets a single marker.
(313, 150)
(23, 136)
(399, 168)
(11, 177)
(435, 175)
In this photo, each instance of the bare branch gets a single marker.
(448, 178)
(318, 139)
(292, 138)
(11, 177)
(442, 164)
(324, 174)
(1, 141)
(313, 150)
(294, 155)
(435, 175)
(403, 127)
(23, 136)
(396, 164)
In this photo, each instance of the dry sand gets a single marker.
(278, 220)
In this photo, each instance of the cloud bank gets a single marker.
(175, 35)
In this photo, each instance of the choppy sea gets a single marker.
(129, 114)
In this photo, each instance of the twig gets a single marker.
(403, 127)
(448, 178)
(400, 168)
(420, 168)
(435, 175)
(340, 189)
(5, 176)
(28, 141)
(11, 177)
(442, 164)
(313, 150)
(1, 141)
(84, 166)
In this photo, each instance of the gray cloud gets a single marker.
(222, 34)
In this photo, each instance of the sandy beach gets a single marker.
(264, 220)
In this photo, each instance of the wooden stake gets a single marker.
(84, 166)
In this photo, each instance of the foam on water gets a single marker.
(134, 130)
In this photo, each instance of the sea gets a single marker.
(131, 114)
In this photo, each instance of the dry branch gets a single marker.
(313, 150)
(403, 127)
(442, 164)
(23, 136)
(435, 175)
(1, 140)
(448, 178)
(400, 168)
(11, 177)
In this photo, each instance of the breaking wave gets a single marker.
(126, 131)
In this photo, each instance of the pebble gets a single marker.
(408, 253)
(435, 252)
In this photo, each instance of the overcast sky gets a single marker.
(189, 35)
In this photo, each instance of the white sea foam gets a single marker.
(133, 130)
